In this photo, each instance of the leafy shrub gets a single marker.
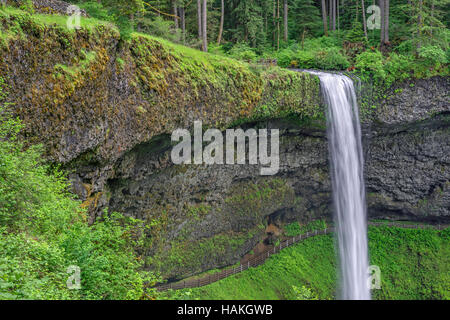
(433, 55)
(303, 293)
(331, 59)
(43, 230)
(405, 47)
(355, 34)
(158, 27)
(285, 58)
(242, 51)
(321, 43)
(397, 68)
(305, 59)
(370, 64)
(96, 10)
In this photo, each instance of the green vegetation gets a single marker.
(414, 265)
(416, 44)
(43, 231)
(310, 263)
(294, 229)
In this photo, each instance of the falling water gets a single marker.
(344, 139)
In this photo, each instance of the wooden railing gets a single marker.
(261, 258)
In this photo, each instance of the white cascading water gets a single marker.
(345, 147)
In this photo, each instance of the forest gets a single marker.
(386, 40)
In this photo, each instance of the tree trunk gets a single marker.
(278, 25)
(324, 18)
(419, 25)
(183, 24)
(222, 14)
(204, 26)
(382, 22)
(175, 13)
(334, 14)
(199, 18)
(338, 14)
(364, 18)
(274, 23)
(386, 21)
(285, 18)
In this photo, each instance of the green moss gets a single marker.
(251, 199)
(80, 67)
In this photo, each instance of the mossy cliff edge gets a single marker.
(85, 91)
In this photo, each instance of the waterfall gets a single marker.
(346, 168)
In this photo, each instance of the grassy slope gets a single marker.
(414, 265)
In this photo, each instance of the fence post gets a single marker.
(248, 264)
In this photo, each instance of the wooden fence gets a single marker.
(261, 258)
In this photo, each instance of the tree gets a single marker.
(183, 23)
(386, 21)
(382, 23)
(199, 19)
(309, 14)
(204, 27)
(285, 20)
(175, 14)
(363, 7)
(333, 15)
(324, 18)
(222, 15)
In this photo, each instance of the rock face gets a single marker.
(407, 173)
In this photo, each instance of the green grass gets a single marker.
(56, 19)
(414, 265)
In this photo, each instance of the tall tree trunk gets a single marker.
(338, 14)
(330, 15)
(204, 26)
(175, 13)
(334, 14)
(419, 25)
(382, 23)
(285, 18)
(199, 18)
(386, 21)
(222, 15)
(274, 23)
(324, 18)
(278, 25)
(364, 18)
(183, 23)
